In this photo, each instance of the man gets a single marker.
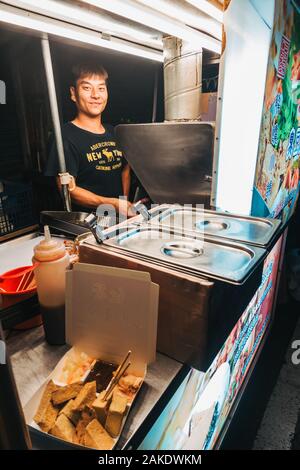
(93, 158)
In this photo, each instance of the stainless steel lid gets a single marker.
(173, 161)
(213, 257)
(246, 229)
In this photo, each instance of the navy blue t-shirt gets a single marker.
(95, 160)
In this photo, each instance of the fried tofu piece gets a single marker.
(67, 408)
(116, 412)
(96, 437)
(130, 383)
(68, 411)
(64, 429)
(87, 415)
(85, 397)
(44, 406)
(66, 393)
(49, 417)
(101, 407)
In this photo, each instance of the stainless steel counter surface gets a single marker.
(33, 360)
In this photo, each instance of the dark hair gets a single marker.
(87, 69)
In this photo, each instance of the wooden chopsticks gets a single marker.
(119, 373)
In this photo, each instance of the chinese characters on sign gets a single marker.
(276, 184)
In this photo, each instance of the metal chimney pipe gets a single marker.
(55, 117)
(182, 80)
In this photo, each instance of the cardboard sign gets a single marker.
(110, 311)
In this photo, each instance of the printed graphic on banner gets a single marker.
(196, 414)
(242, 344)
(277, 173)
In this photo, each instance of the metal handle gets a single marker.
(91, 221)
(186, 251)
(189, 249)
(140, 208)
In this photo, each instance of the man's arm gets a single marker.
(126, 180)
(86, 198)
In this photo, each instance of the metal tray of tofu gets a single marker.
(254, 230)
(196, 255)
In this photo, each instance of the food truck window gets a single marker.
(130, 83)
(10, 141)
(26, 119)
(131, 86)
(24, 123)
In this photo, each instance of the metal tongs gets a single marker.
(91, 221)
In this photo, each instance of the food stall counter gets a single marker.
(33, 360)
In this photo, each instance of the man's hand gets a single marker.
(86, 198)
(124, 207)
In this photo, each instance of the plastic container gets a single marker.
(50, 275)
(5, 226)
(16, 286)
(17, 209)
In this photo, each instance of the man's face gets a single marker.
(90, 95)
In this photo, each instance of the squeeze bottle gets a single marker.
(51, 260)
